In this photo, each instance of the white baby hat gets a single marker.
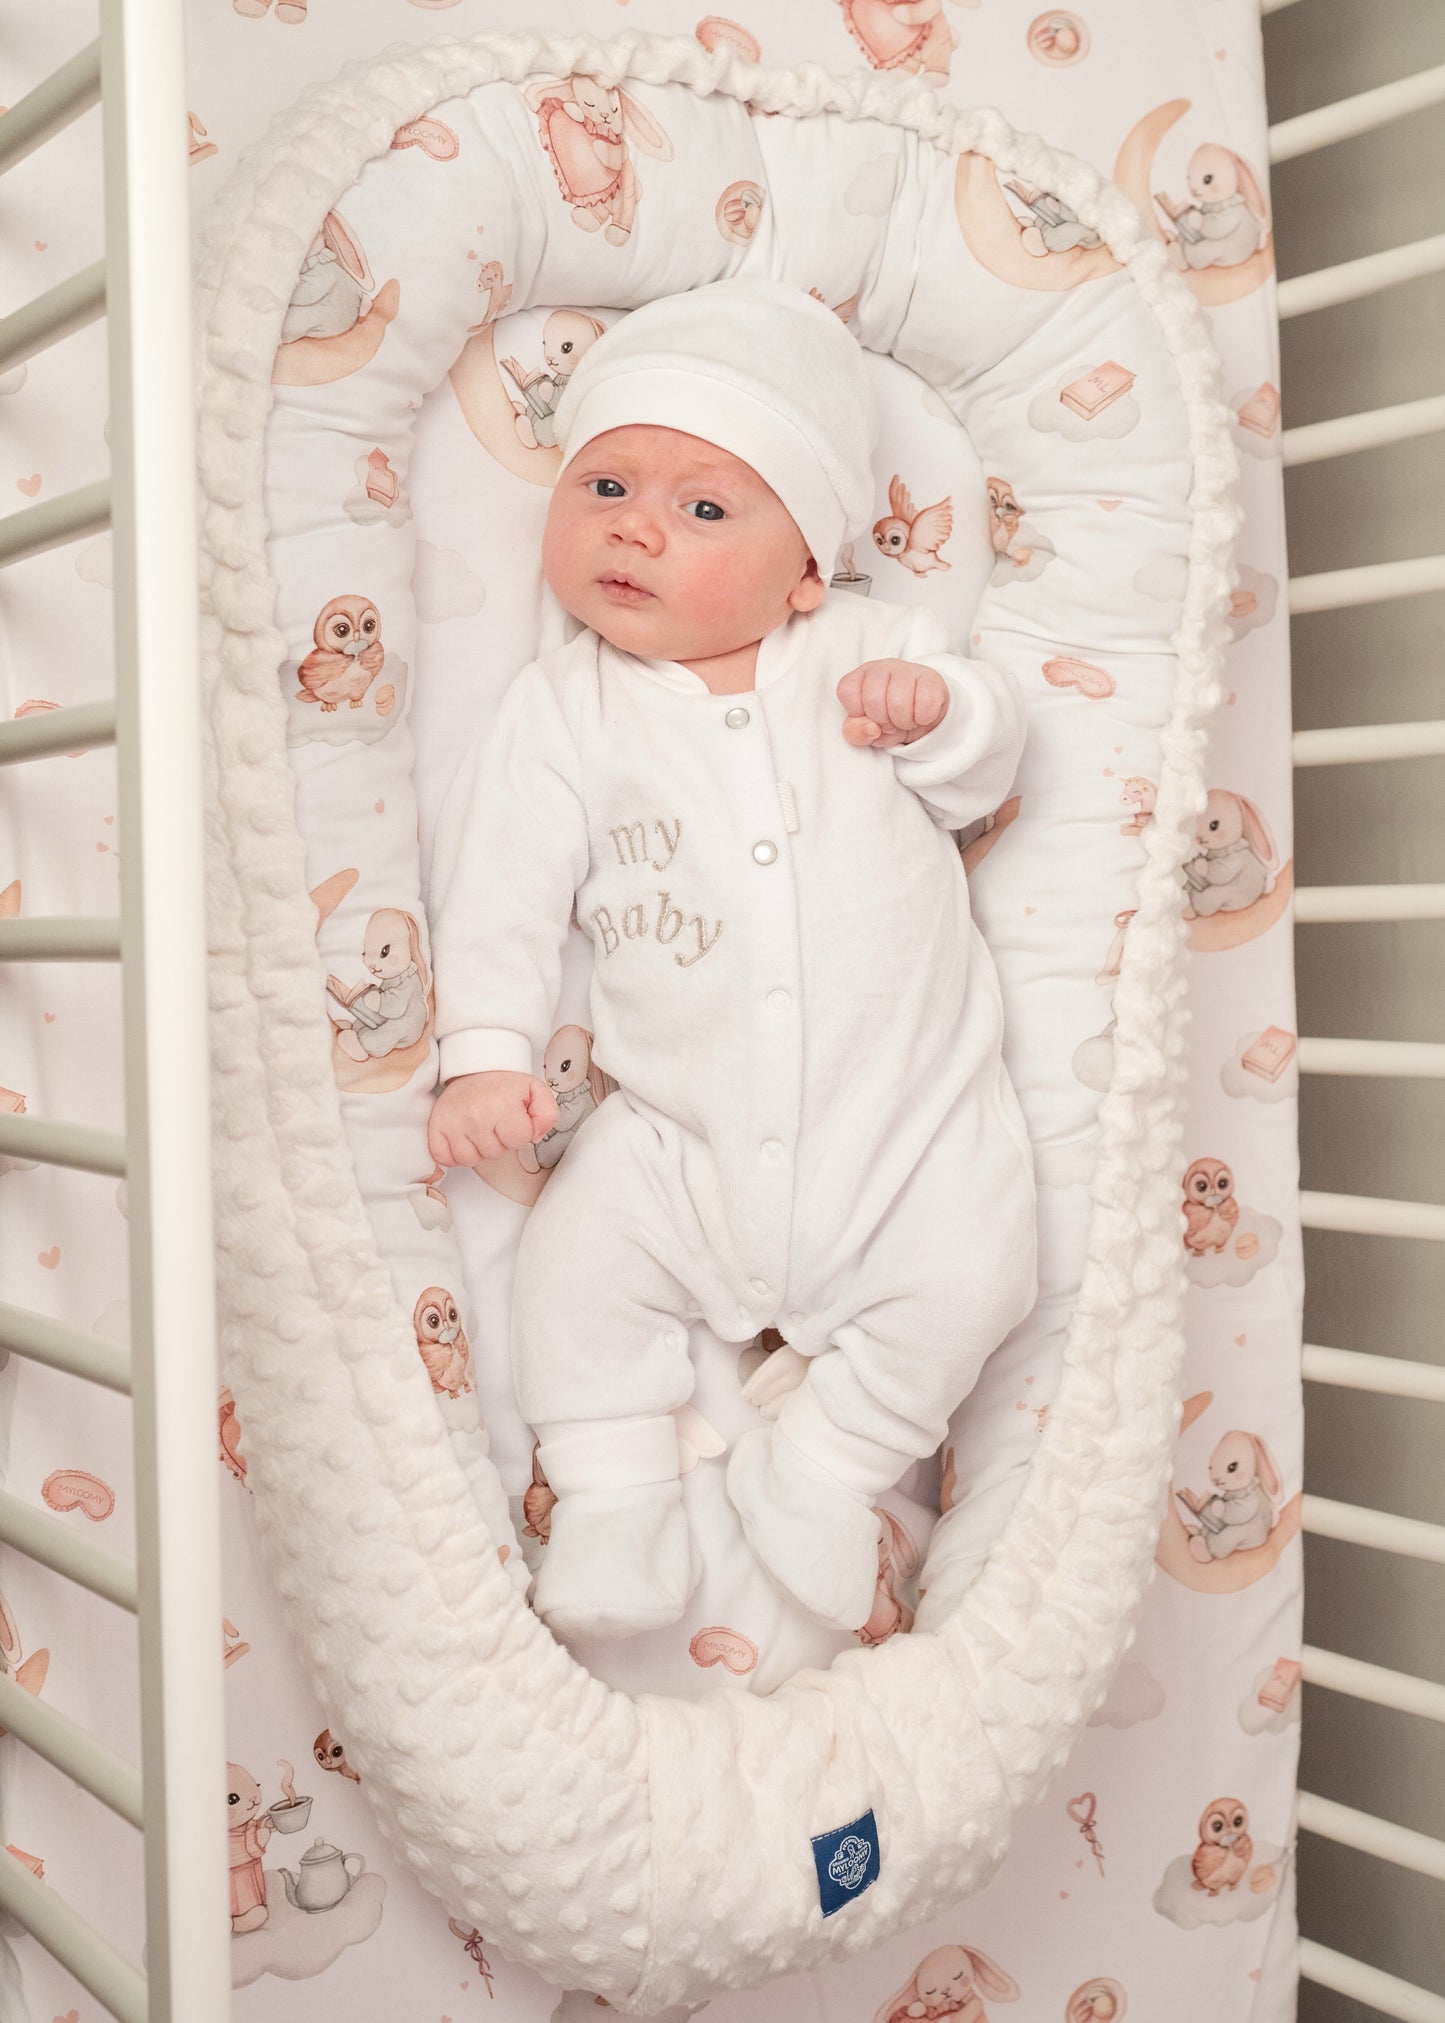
(758, 368)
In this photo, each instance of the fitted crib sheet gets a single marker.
(479, 621)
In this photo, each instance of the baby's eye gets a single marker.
(711, 509)
(606, 481)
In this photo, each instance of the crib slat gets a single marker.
(45, 732)
(1383, 1688)
(1375, 583)
(1352, 279)
(1315, 441)
(1370, 1215)
(1369, 902)
(1401, 2000)
(1400, 1844)
(1355, 1524)
(1389, 1376)
(62, 1348)
(77, 939)
(67, 1937)
(1359, 744)
(70, 1748)
(60, 98)
(1360, 114)
(86, 510)
(42, 1538)
(66, 307)
(1418, 1060)
(74, 1145)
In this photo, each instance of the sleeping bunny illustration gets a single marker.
(389, 1009)
(1225, 1849)
(567, 336)
(579, 1087)
(334, 285)
(1235, 863)
(947, 1983)
(1226, 221)
(1211, 1212)
(1244, 1508)
(1101, 2000)
(585, 127)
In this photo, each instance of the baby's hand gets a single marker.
(482, 1116)
(891, 702)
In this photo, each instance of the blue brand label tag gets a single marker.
(847, 1862)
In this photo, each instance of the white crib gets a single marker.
(135, 70)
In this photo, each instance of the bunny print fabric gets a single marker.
(407, 458)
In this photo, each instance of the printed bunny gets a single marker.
(347, 656)
(897, 1559)
(1225, 1849)
(911, 536)
(1004, 515)
(907, 35)
(585, 127)
(247, 1837)
(376, 1018)
(1142, 796)
(442, 1341)
(1055, 227)
(1211, 1212)
(1235, 863)
(946, 1983)
(578, 1086)
(567, 336)
(1244, 1508)
(1227, 220)
(333, 286)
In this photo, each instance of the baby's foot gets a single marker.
(617, 1561)
(817, 1539)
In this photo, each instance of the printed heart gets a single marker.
(107, 819)
(49, 1258)
(1063, 1893)
(1230, 698)
(1220, 55)
(102, 847)
(1031, 909)
(50, 1018)
(70, 2016)
(1028, 1380)
(1078, 1864)
(1110, 505)
(1118, 749)
(30, 486)
(1108, 772)
(1239, 1341)
(380, 807)
(41, 244)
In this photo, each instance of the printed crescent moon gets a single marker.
(328, 895)
(1132, 166)
(1240, 1569)
(317, 361)
(994, 236)
(1212, 931)
(477, 383)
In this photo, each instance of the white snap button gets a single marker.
(764, 852)
(674, 1339)
(736, 718)
(779, 999)
(772, 1148)
(758, 1284)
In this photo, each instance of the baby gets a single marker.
(742, 786)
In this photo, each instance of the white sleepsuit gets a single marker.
(813, 1129)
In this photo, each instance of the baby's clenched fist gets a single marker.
(482, 1116)
(891, 702)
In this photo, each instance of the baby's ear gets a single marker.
(809, 590)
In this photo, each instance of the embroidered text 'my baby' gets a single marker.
(630, 841)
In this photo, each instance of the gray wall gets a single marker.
(1369, 824)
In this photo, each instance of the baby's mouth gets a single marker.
(624, 589)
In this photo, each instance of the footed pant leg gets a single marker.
(894, 1345)
(599, 1363)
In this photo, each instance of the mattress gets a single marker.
(1097, 1907)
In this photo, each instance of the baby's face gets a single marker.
(715, 558)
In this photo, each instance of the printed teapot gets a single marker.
(326, 1875)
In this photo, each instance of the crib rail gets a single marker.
(1339, 589)
(142, 287)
